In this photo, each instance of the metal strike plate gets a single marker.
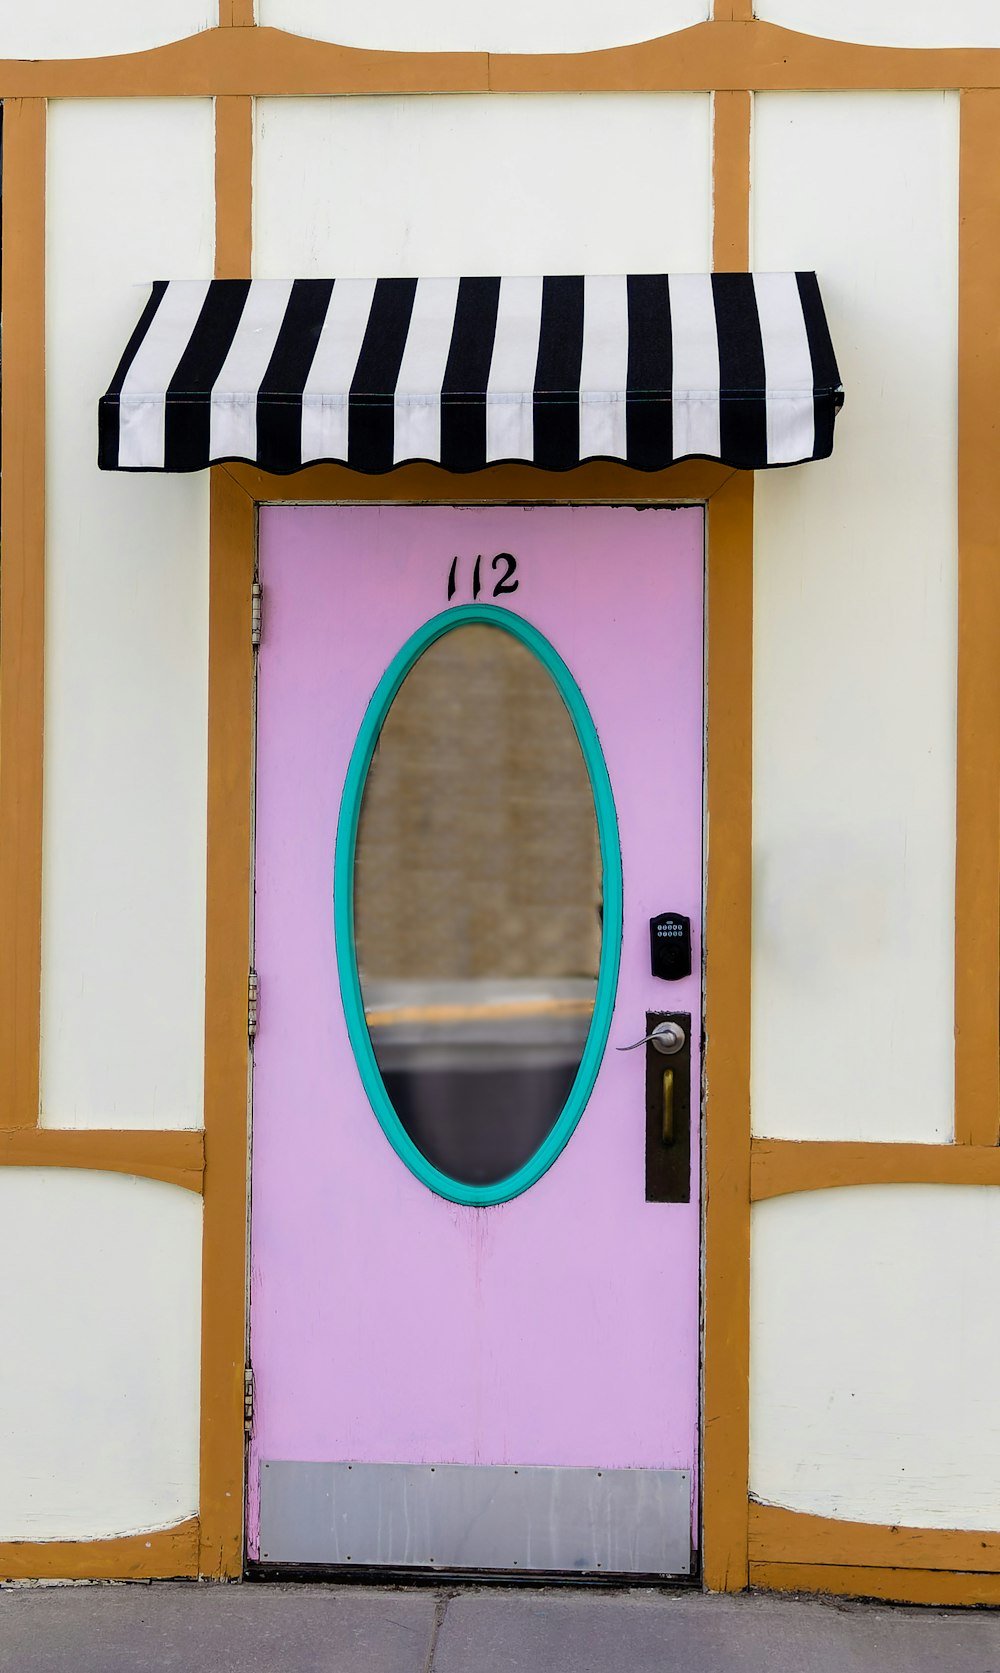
(668, 1111)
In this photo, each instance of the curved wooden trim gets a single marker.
(726, 1420)
(420, 484)
(778, 1535)
(744, 53)
(780, 1167)
(893, 1585)
(176, 1158)
(977, 873)
(22, 609)
(166, 1554)
(241, 60)
(731, 51)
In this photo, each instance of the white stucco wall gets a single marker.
(876, 1354)
(130, 198)
(399, 186)
(919, 23)
(483, 25)
(100, 1320)
(95, 28)
(855, 634)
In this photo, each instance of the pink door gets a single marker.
(475, 1221)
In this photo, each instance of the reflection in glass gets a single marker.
(478, 903)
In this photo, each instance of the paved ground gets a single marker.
(350, 1629)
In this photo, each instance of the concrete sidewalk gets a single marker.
(353, 1629)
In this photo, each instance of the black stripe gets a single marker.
(370, 405)
(648, 406)
(827, 395)
(463, 392)
(108, 406)
(557, 375)
(279, 398)
(742, 378)
(189, 395)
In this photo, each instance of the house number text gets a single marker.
(501, 576)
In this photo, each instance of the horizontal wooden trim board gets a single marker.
(167, 1554)
(894, 1585)
(781, 1166)
(727, 53)
(602, 480)
(176, 1158)
(777, 1535)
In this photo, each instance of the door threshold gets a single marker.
(353, 1574)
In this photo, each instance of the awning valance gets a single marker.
(646, 368)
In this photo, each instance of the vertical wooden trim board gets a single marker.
(232, 558)
(726, 1415)
(22, 607)
(227, 961)
(977, 881)
(726, 1300)
(233, 186)
(236, 14)
(731, 118)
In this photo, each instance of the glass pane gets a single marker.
(478, 903)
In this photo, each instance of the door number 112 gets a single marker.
(505, 582)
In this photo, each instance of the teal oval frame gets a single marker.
(478, 1196)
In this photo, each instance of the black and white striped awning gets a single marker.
(649, 369)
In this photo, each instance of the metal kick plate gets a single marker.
(476, 1516)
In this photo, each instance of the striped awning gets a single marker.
(649, 369)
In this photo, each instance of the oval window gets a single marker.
(478, 904)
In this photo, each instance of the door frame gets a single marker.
(236, 493)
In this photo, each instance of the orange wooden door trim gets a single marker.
(726, 1416)
(230, 788)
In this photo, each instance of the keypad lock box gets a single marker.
(670, 946)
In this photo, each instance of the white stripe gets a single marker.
(604, 370)
(788, 370)
(233, 419)
(143, 401)
(695, 387)
(328, 386)
(417, 399)
(510, 413)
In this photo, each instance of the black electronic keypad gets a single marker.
(670, 946)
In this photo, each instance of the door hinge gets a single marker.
(256, 604)
(247, 1400)
(253, 996)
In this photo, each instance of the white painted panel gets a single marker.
(88, 29)
(890, 22)
(482, 25)
(855, 634)
(875, 1354)
(130, 194)
(100, 1319)
(505, 183)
